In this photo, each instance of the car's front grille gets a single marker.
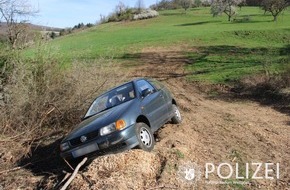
(90, 136)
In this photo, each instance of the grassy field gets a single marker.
(223, 51)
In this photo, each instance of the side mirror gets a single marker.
(146, 92)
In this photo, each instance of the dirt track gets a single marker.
(213, 130)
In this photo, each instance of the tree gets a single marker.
(140, 5)
(253, 2)
(89, 25)
(224, 6)
(275, 7)
(52, 35)
(197, 3)
(15, 14)
(185, 4)
(242, 3)
(120, 8)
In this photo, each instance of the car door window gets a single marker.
(142, 85)
(156, 84)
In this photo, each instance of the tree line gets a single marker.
(228, 7)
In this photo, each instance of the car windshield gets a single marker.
(111, 99)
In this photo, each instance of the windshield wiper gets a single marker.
(97, 113)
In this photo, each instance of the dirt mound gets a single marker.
(134, 169)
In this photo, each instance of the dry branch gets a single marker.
(63, 180)
(74, 173)
(14, 169)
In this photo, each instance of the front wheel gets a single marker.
(176, 119)
(144, 137)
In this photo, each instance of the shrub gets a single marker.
(145, 14)
(130, 14)
(44, 97)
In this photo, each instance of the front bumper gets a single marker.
(115, 142)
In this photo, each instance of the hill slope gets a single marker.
(219, 45)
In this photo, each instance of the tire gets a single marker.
(176, 119)
(145, 137)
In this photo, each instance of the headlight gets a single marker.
(118, 125)
(64, 146)
(108, 129)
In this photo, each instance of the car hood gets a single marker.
(98, 121)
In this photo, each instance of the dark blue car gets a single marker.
(122, 118)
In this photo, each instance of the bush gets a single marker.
(45, 98)
(145, 14)
(130, 14)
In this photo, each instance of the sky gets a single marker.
(67, 13)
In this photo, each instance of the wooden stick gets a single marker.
(14, 169)
(74, 173)
(63, 180)
(68, 164)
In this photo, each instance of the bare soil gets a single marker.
(213, 130)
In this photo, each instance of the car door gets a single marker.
(166, 95)
(153, 105)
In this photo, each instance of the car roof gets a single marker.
(115, 87)
(135, 80)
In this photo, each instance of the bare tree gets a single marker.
(275, 7)
(140, 5)
(120, 8)
(185, 4)
(224, 6)
(242, 3)
(15, 13)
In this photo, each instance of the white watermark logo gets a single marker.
(240, 173)
(189, 172)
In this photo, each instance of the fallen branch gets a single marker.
(74, 173)
(14, 169)
(63, 180)
(68, 164)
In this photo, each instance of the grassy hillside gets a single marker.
(224, 50)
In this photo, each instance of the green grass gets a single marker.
(225, 51)
(224, 64)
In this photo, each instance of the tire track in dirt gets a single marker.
(214, 130)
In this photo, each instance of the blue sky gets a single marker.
(67, 13)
